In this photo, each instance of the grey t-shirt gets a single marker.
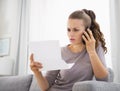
(63, 80)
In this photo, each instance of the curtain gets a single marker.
(115, 36)
(38, 15)
(23, 36)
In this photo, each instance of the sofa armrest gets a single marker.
(15, 83)
(96, 86)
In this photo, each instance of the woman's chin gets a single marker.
(75, 43)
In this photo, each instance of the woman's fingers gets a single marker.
(38, 64)
(35, 66)
(84, 38)
(31, 58)
(86, 35)
(90, 34)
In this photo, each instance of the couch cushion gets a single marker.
(15, 83)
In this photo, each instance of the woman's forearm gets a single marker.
(42, 81)
(99, 69)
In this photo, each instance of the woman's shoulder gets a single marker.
(64, 48)
(99, 47)
(99, 44)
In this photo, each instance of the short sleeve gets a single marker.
(51, 76)
(101, 55)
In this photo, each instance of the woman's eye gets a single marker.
(76, 30)
(68, 30)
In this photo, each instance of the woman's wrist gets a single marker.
(36, 72)
(92, 53)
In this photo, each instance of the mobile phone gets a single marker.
(84, 35)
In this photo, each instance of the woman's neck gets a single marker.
(76, 48)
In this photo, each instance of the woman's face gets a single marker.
(75, 29)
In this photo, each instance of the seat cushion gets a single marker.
(15, 83)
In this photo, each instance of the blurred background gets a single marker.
(22, 21)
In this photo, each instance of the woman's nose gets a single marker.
(71, 33)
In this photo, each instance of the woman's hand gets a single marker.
(35, 66)
(89, 41)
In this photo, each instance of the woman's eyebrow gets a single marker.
(77, 28)
(74, 28)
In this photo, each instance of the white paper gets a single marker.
(49, 54)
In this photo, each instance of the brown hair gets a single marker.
(90, 20)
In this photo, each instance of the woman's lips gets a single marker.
(72, 40)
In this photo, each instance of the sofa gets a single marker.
(29, 83)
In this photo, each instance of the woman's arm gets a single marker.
(35, 67)
(99, 69)
(42, 81)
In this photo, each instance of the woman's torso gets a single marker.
(80, 71)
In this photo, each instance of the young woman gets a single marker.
(86, 50)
